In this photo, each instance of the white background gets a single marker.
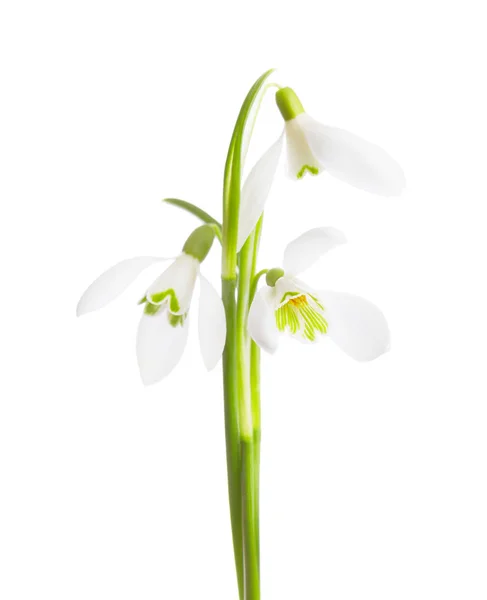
(374, 475)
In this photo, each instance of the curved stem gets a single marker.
(197, 212)
(232, 181)
(255, 283)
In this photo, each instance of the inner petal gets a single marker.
(167, 297)
(174, 288)
(302, 316)
(301, 159)
(175, 320)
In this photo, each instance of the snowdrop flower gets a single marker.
(312, 148)
(287, 305)
(163, 328)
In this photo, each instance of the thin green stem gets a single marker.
(197, 212)
(232, 181)
(246, 261)
(232, 428)
(255, 283)
(249, 523)
(256, 434)
(255, 386)
(250, 517)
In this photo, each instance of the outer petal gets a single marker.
(352, 159)
(262, 323)
(356, 325)
(256, 190)
(306, 249)
(113, 282)
(159, 346)
(179, 277)
(211, 324)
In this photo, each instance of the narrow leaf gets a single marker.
(197, 212)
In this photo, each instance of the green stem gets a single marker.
(255, 386)
(236, 364)
(256, 434)
(246, 261)
(232, 181)
(249, 483)
(249, 523)
(232, 429)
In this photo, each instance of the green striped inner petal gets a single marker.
(176, 320)
(168, 295)
(300, 315)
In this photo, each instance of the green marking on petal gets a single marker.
(317, 302)
(176, 320)
(309, 168)
(142, 300)
(151, 309)
(289, 295)
(159, 297)
(298, 315)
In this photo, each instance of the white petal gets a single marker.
(356, 325)
(352, 159)
(179, 277)
(300, 158)
(256, 190)
(262, 321)
(211, 324)
(306, 249)
(160, 346)
(113, 282)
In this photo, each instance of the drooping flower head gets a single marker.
(163, 328)
(311, 149)
(286, 305)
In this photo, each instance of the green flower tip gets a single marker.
(288, 103)
(176, 320)
(309, 168)
(272, 276)
(199, 242)
(151, 309)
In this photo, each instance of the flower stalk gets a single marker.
(240, 372)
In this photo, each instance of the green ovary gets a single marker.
(298, 315)
(309, 168)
